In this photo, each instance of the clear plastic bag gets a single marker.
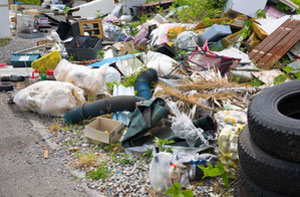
(184, 128)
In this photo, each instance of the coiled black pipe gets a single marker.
(100, 107)
(143, 81)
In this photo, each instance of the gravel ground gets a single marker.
(128, 174)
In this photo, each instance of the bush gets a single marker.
(198, 9)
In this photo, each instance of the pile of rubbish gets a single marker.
(156, 77)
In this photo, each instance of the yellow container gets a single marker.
(47, 62)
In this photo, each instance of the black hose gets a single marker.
(143, 81)
(100, 107)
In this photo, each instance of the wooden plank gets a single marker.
(268, 39)
(281, 48)
(260, 50)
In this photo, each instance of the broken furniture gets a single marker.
(276, 45)
(92, 27)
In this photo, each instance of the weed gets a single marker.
(86, 159)
(256, 82)
(101, 54)
(161, 144)
(74, 178)
(72, 58)
(218, 170)
(261, 13)
(55, 126)
(147, 155)
(102, 172)
(176, 191)
(4, 41)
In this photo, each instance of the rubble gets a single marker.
(176, 89)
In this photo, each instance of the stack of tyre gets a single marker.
(269, 147)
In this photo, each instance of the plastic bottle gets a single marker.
(35, 77)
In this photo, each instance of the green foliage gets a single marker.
(207, 21)
(31, 2)
(247, 29)
(101, 54)
(162, 142)
(66, 10)
(282, 7)
(197, 9)
(283, 77)
(143, 18)
(110, 85)
(176, 191)
(72, 58)
(261, 13)
(102, 172)
(99, 15)
(147, 155)
(256, 82)
(216, 171)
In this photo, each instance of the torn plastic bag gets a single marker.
(160, 171)
(187, 40)
(163, 64)
(50, 97)
(201, 61)
(113, 32)
(91, 80)
(145, 117)
(183, 127)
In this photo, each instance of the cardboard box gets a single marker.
(104, 130)
(122, 48)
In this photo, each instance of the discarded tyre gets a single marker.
(274, 121)
(269, 147)
(278, 176)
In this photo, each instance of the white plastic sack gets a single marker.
(160, 171)
(91, 80)
(159, 35)
(163, 64)
(50, 97)
(187, 40)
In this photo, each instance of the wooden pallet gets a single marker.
(276, 45)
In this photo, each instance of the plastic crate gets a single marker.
(215, 33)
(23, 59)
(84, 47)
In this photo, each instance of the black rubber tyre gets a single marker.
(274, 121)
(246, 188)
(278, 176)
(6, 86)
